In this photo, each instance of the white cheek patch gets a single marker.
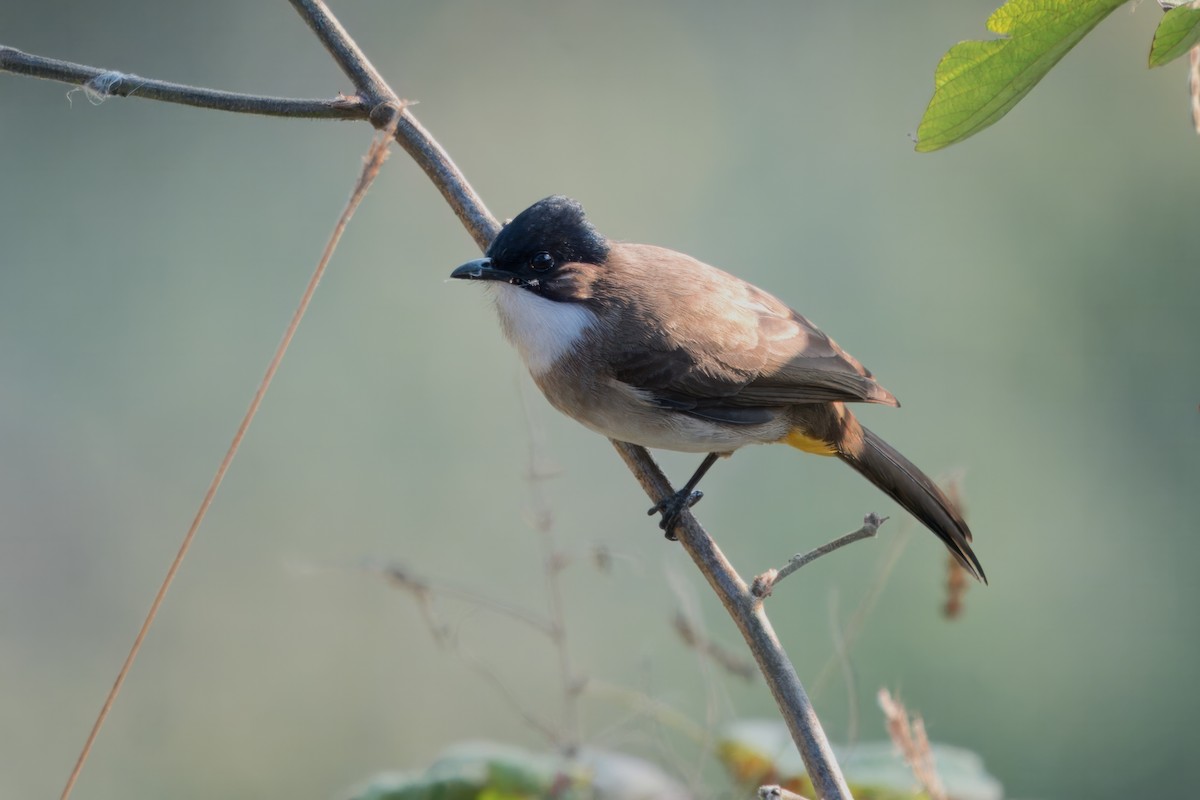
(542, 330)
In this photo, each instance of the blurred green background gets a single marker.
(1031, 295)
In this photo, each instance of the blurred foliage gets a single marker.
(758, 752)
(489, 771)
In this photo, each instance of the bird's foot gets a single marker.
(672, 508)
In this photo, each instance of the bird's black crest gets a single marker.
(557, 225)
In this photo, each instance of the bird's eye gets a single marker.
(541, 261)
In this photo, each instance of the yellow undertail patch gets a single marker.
(809, 444)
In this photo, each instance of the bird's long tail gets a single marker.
(900, 479)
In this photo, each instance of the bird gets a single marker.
(650, 346)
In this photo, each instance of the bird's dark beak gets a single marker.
(481, 269)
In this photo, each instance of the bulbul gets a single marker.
(650, 346)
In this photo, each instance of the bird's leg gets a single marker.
(672, 507)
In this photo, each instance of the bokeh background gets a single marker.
(1031, 295)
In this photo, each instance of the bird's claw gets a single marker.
(672, 509)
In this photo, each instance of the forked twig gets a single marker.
(766, 582)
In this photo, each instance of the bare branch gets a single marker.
(747, 613)
(449, 180)
(382, 107)
(415, 140)
(765, 583)
(345, 52)
(111, 83)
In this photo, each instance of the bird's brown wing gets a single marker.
(721, 344)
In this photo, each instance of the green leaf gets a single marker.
(977, 83)
(1178, 31)
(761, 751)
(492, 771)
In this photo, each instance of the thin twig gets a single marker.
(484, 670)
(909, 737)
(658, 710)
(111, 83)
(423, 592)
(415, 140)
(694, 638)
(423, 596)
(554, 628)
(345, 52)
(384, 110)
(449, 180)
(841, 653)
(747, 613)
(553, 564)
(717, 702)
(858, 619)
(422, 588)
(766, 582)
(373, 162)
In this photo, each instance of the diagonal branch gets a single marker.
(449, 180)
(345, 52)
(467, 204)
(747, 613)
(378, 103)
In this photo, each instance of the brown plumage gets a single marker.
(653, 347)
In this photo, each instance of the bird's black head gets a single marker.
(542, 250)
(556, 225)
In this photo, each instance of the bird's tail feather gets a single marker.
(900, 479)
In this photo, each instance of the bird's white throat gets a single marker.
(542, 330)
